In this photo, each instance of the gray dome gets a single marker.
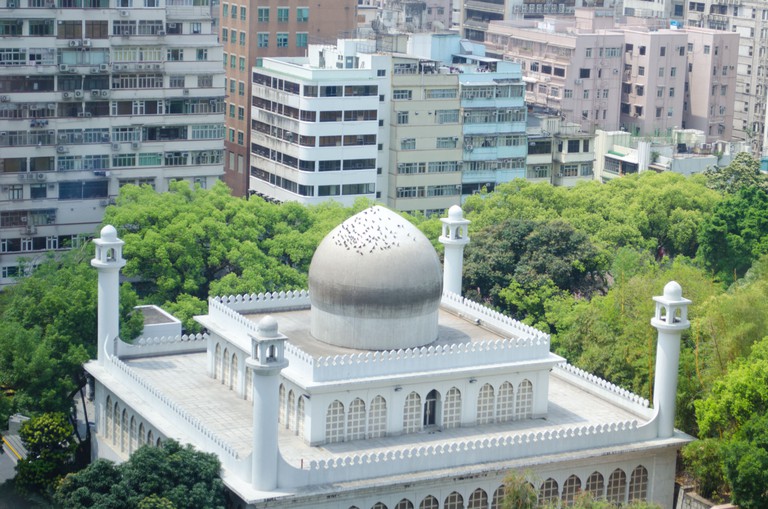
(375, 283)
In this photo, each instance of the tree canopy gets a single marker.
(50, 444)
(170, 476)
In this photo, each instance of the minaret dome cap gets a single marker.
(109, 233)
(673, 291)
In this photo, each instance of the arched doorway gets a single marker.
(431, 408)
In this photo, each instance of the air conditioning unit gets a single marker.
(119, 67)
(67, 95)
(105, 93)
(4, 98)
(80, 114)
(86, 43)
(63, 68)
(135, 145)
(158, 66)
(103, 67)
(186, 91)
(115, 146)
(61, 149)
(3, 134)
(161, 33)
(124, 14)
(79, 94)
(94, 70)
(95, 93)
(73, 44)
(41, 176)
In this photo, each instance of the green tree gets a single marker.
(704, 459)
(519, 493)
(746, 463)
(164, 477)
(742, 172)
(50, 446)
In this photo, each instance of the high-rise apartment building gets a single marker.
(251, 31)
(94, 95)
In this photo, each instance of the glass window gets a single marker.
(262, 14)
(262, 39)
(301, 39)
(282, 39)
(282, 14)
(302, 14)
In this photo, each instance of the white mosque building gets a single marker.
(381, 387)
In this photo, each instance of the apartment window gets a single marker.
(232, 111)
(659, 91)
(723, 89)
(638, 111)
(262, 40)
(262, 14)
(202, 54)
(241, 63)
(588, 52)
(232, 61)
(408, 144)
(242, 39)
(642, 50)
(446, 142)
(302, 14)
(661, 72)
(240, 138)
(243, 15)
(225, 35)
(670, 112)
(205, 81)
(282, 39)
(282, 14)
(234, 12)
(240, 113)
(196, 27)
(15, 192)
(232, 86)
(175, 55)
(671, 91)
(301, 39)
(224, 10)
(673, 71)
(586, 94)
(176, 81)
(447, 116)
(402, 117)
(400, 94)
(663, 51)
(241, 88)
(706, 49)
(568, 93)
(232, 135)
(658, 112)
(584, 73)
(641, 70)
(639, 90)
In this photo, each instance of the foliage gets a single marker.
(736, 234)
(746, 463)
(704, 459)
(48, 329)
(170, 476)
(518, 493)
(742, 172)
(48, 439)
(185, 309)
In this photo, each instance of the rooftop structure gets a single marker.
(304, 410)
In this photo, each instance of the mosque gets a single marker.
(381, 387)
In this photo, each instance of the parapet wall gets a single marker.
(147, 347)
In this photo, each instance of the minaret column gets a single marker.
(108, 260)
(267, 360)
(670, 320)
(454, 237)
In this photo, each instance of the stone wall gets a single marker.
(687, 498)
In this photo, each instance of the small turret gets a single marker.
(454, 237)
(266, 361)
(108, 260)
(670, 320)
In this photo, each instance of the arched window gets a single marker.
(478, 500)
(377, 418)
(116, 425)
(142, 436)
(524, 400)
(498, 497)
(225, 368)
(485, 404)
(595, 485)
(548, 493)
(378, 505)
(431, 408)
(429, 502)
(124, 431)
(412, 413)
(454, 501)
(300, 417)
(150, 438)
(356, 420)
(233, 372)
(638, 484)
(217, 362)
(291, 410)
(404, 504)
(334, 423)
(452, 409)
(282, 418)
(158, 442)
(617, 483)
(134, 438)
(108, 433)
(248, 384)
(571, 487)
(505, 403)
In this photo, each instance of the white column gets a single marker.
(454, 237)
(266, 361)
(108, 260)
(670, 321)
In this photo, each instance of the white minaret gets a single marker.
(108, 260)
(670, 320)
(267, 360)
(454, 237)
